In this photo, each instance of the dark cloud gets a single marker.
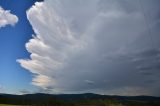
(151, 81)
(106, 51)
(149, 53)
(145, 73)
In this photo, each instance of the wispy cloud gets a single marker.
(89, 82)
(24, 91)
(99, 40)
(2, 89)
(7, 18)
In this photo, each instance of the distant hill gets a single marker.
(69, 99)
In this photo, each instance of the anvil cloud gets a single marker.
(99, 46)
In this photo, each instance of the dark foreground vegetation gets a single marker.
(78, 100)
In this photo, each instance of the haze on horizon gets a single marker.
(107, 47)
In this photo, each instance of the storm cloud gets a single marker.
(99, 46)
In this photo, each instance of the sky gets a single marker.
(74, 46)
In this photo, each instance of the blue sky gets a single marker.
(12, 41)
(98, 46)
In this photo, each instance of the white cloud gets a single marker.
(43, 81)
(79, 46)
(6, 18)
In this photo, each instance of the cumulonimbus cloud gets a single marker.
(88, 46)
(6, 18)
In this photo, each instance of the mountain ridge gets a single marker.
(68, 99)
